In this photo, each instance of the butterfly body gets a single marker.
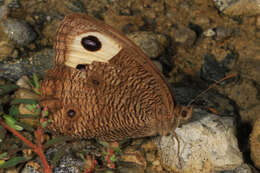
(102, 86)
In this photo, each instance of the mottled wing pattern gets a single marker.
(112, 98)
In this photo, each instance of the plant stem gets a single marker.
(38, 149)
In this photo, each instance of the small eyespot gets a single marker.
(95, 82)
(81, 67)
(184, 114)
(91, 43)
(71, 113)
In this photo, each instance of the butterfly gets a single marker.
(103, 86)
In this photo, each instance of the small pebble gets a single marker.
(3, 11)
(24, 82)
(151, 43)
(209, 33)
(185, 36)
(23, 93)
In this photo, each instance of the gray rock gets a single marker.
(223, 32)
(38, 63)
(238, 7)
(208, 143)
(14, 4)
(3, 11)
(223, 4)
(151, 43)
(18, 31)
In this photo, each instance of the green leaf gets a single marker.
(113, 158)
(44, 124)
(28, 116)
(105, 144)
(13, 162)
(12, 123)
(25, 101)
(36, 81)
(4, 89)
(34, 108)
(14, 111)
(3, 155)
(25, 126)
(9, 119)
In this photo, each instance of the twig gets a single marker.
(38, 149)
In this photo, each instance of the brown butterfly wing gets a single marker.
(123, 96)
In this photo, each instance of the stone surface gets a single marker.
(184, 36)
(37, 63)
(24, 82)
(207, 144)
(255, 143)
(244, 168)
(23, 93)
(238, 7)
(244, 92)
(152, 44)
(18, 31)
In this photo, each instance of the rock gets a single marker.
(238, 7)
(152, 44)
(37, 63)
(14, 4)
(149, 146)
(7, 50)
(40, 62)
(184, 36)
(244, 92)
(18, 31)
(23, 93)
(207, 144)
(32, 167)
(244, 168)
(24, 82)
(211, 100)
(212, 70)
(12, 170)
(209, 32)
(68, 164)
(135, 157)
(130, 168)
(3, 11)
(222, 32)
(249, 65)
(203, 21)
(255, 143)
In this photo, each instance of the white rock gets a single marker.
(206, 145)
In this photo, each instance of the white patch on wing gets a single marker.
(77, 54)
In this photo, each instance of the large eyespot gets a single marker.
(91, 43)
(71, 113)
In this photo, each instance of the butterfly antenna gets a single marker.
(211, 86)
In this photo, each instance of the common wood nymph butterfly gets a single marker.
(103, 86)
